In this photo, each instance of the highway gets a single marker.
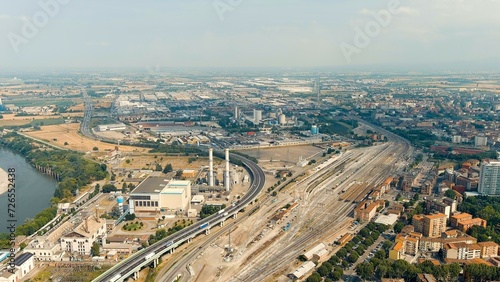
(129, 266)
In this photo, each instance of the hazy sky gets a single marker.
(246, 33)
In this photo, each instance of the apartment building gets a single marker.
(430, 225)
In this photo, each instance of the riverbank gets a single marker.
(4, 183)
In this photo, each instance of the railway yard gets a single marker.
(257, 248)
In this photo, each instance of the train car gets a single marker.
(150, 255)
(169, 243)
(116, 277)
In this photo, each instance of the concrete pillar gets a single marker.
(211, 167)
(207, 231)
(136, 275)
(155, 263)
(235, 216)
(222, 223)
(226, 172)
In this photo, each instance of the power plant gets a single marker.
(211, 167)
(226, 172)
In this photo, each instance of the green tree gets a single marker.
(323, 271)
(398, 226)
(450, 194)
(352, 258)
(168, 168)
(315, 277)
(158, 167)
(107, 188)
(95, 250)
(365, 270)
(342, 253)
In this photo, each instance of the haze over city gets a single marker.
(421, 35)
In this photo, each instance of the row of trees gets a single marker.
(379, 268)
(72, 171)
(481, 272)
(332, 270)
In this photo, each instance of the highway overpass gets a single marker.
(131, 266)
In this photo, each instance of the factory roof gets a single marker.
(176, 187)
(151, 185)
(303, 269)
(20, 260)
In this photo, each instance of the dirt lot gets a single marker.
(69, 133)
(141, 161)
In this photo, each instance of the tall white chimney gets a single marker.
(226, 173)
(211, 167)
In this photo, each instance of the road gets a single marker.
(125, 268)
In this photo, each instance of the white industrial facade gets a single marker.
(157, 193)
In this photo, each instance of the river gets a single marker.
(33, 189)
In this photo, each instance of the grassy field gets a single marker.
(340, 127)
(41, 102)
(12, 120)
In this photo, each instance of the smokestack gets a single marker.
(211, 167)
(226, 178)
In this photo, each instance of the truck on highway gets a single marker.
(150, 255)
(204, 225)
(221, 211)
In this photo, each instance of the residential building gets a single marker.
(489, 178)
(488, 249)
(480, 141)
(397, 251)
(461, 251)
(430, 225)
(457, 218)
(466, 224)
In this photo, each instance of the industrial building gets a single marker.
(80, 240)
(45, 250)
(23, 264)
(156, 194)
(112, 127)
